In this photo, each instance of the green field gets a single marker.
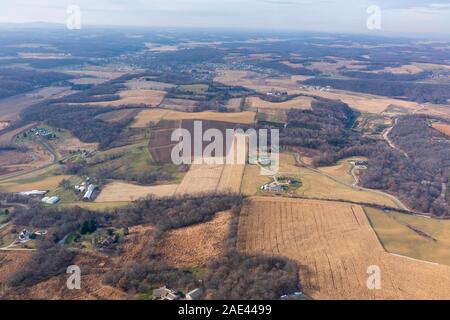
(128, 163)
(413, 236)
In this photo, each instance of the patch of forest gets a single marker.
(15, 81)
(326, 127)
(416, 179)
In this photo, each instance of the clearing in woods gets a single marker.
(334, 245)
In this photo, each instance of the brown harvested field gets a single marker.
(49, 183)
(179, 104)
(364, 102)
(121, 191)
(11, 107)
(442, 127)
(235, 76)
(96, 74)
(253, 180)
(231, 178)
(118, 115)
(379, 104)
(334, 245)
(201, 178)
(142, 84)
(259, 82)
(153, 116)
(330, 67)
(358, 101)
(303, 103)
(405, 69)
(197, 245)
(205, 178)
(147, 117)
(152, 98)
(245, 117)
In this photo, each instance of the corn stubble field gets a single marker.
(334, 244)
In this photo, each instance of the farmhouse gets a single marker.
(25, 235)
(165, 294)
(81, 188)
(272, 187)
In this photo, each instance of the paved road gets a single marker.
(49, 149)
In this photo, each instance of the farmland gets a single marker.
(46, 183)
(303, 103)
(334, 246)
(412, 236)
(120, 192)
(444, 128)
(316, 184)
(151, 98)
(99, 108)
(154, 116)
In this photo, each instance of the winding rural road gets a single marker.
(390, 142)
(354, 185)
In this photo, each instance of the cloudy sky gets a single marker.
(399, 16)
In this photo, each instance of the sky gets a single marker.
(397, 16)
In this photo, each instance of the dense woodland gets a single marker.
(15, 81)
(416, 179)
(326, 127)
